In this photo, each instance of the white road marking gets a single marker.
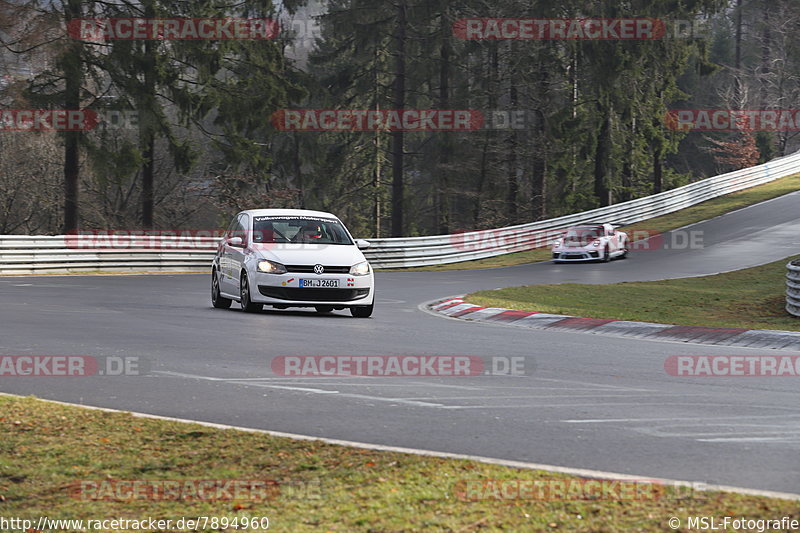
(350, 395)
(301, 389)
(554, 396)
(673, 419)
(749, 439)
(548, 406)
(371, 382)
(598, 385)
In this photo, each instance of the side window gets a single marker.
(241, 229)
(231, 227)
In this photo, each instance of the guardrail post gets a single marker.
(793, 288)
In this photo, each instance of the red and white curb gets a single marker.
(456, 307)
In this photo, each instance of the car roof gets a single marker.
(288, 212)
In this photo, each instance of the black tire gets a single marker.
(606, 255)
(362, 311)
(323, 308)
(217, 300)
(244, 296)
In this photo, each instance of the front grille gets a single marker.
(312, 295)
(309, 269)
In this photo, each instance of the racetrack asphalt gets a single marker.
(585, 401)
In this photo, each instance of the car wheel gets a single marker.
(606, 255)
(362, 311)
(217, 300)
(244, 291)
(323, 308)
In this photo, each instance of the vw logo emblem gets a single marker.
(319, 269)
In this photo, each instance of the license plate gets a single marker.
(320, 283)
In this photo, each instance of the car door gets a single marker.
(237, 252)
(226, 281)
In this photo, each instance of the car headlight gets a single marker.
(361, 269)
(596, 243)
(557, 243)
(271, 267)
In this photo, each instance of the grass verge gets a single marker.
(691, 215)
(49, 451)
(753, 298)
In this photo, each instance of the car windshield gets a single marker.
(583, 235)
(299, 229)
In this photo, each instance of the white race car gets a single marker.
(591, 242)
(292, 258)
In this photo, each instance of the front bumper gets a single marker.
(285, 290)
(576, 255)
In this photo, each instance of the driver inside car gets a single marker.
(309, 233)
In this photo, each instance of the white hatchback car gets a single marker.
(292, 258)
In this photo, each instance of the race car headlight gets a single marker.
(596, 243)
(361, 269)
(557, 243)
(271, 267)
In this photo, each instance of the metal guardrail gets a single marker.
(21, 254)
(793, 288)
(443, 249)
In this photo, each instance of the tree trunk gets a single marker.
(766, 54)
(602, 155)
(73, 76)
(147, 125)
(512, 196)
(738, 56)
(539, 142)
(445, 153)
(487, 159)
(377, 206)
(298, 171)
(658, 175)
(397, 136)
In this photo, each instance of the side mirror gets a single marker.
(362, 244)
(236, 242)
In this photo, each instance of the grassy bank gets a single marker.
(49, 452)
